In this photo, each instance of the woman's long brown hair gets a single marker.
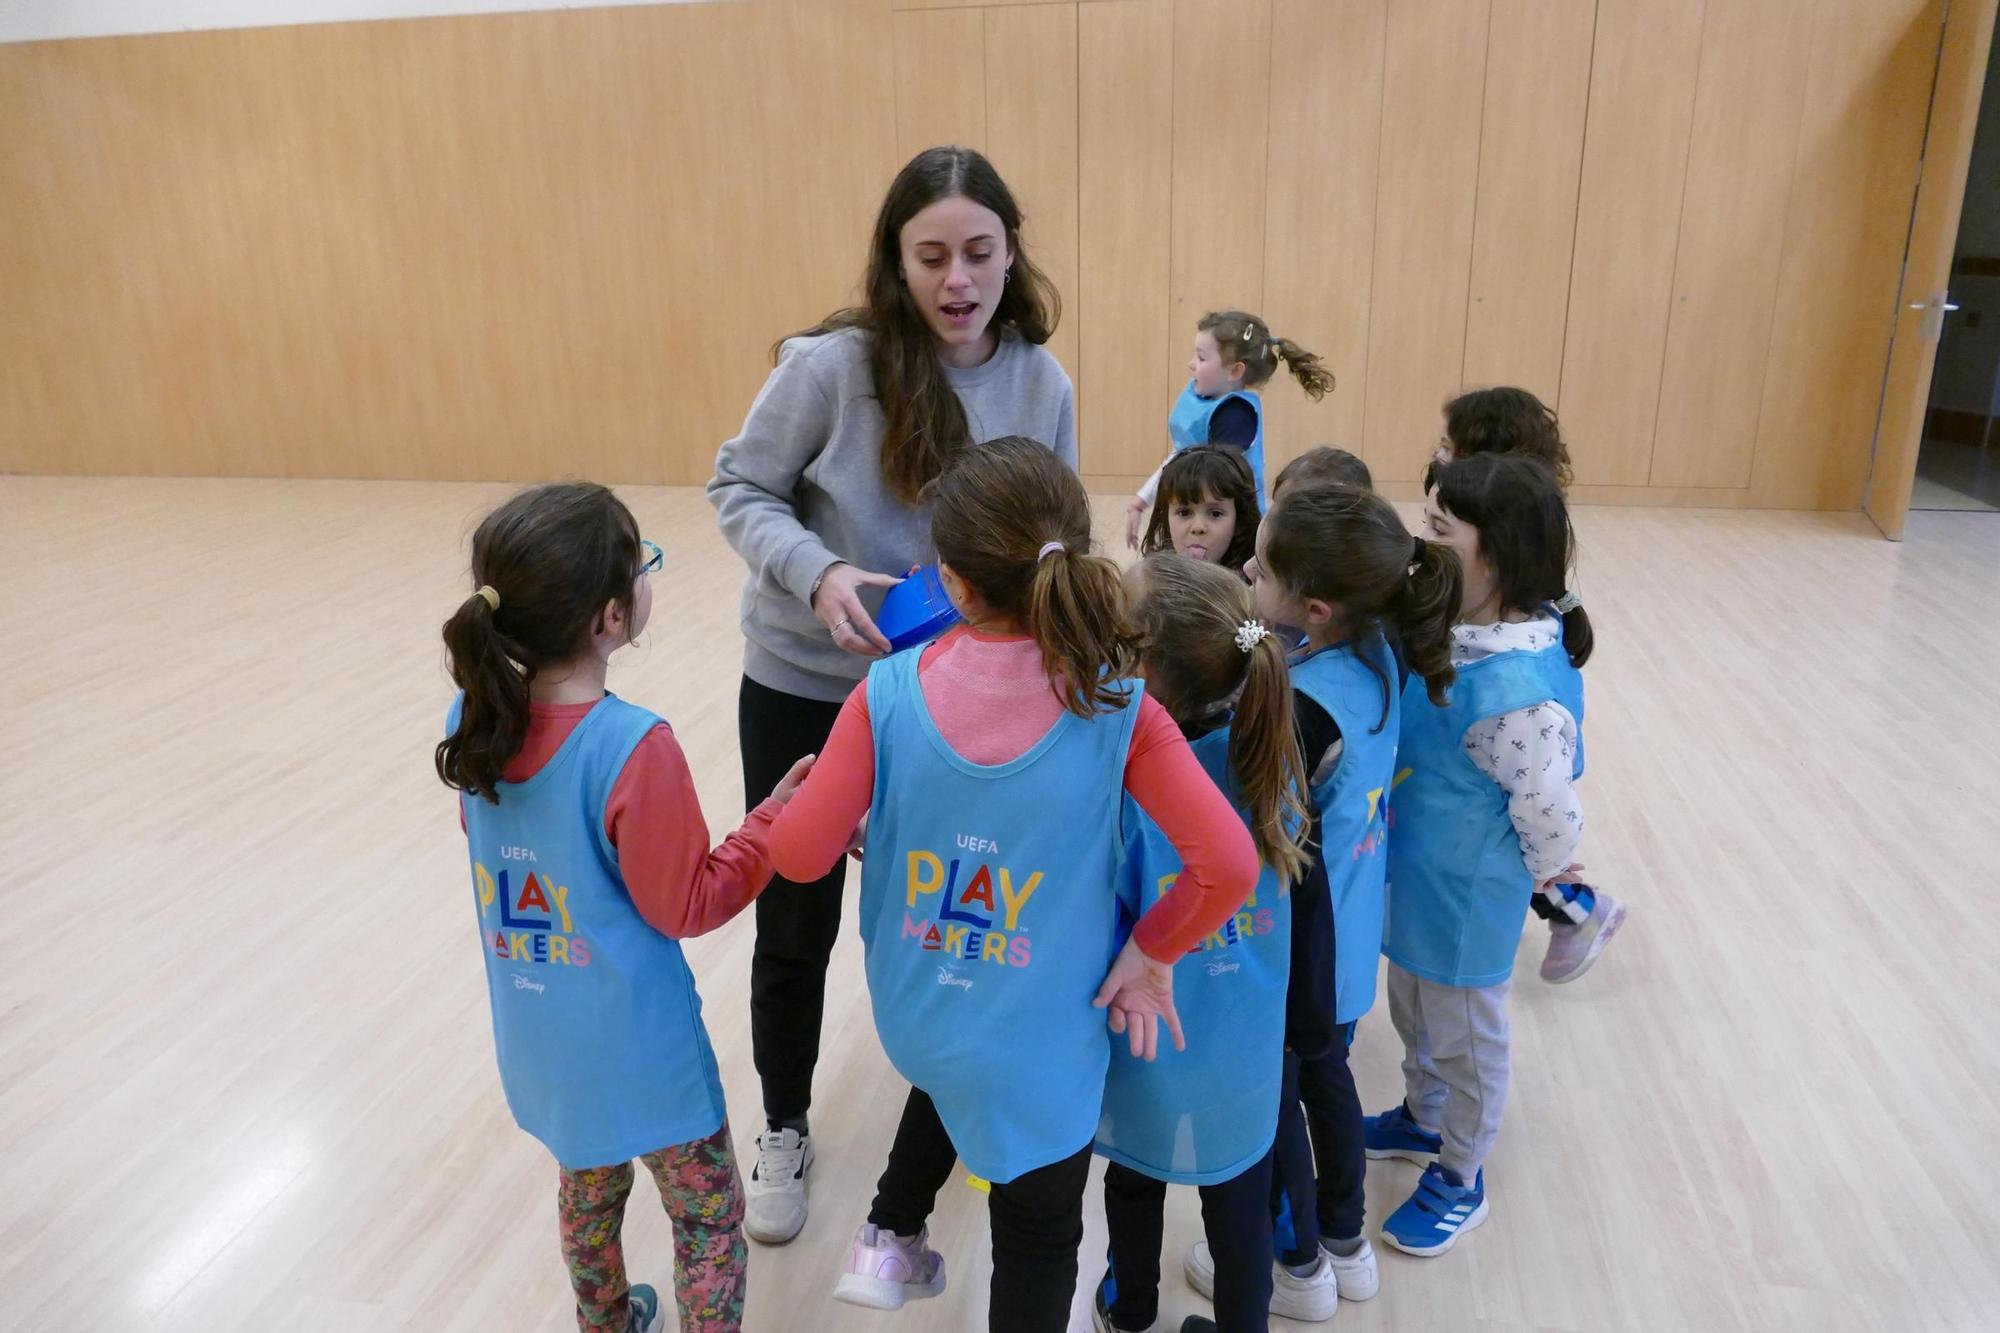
(926, 426)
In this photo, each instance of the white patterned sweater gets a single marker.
(1529, 752)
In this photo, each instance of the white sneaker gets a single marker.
(1310, 1300)
(1356, 1275)
(774, 1197)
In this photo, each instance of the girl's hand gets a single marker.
(1572, 875)
(837, 605)
(1135, 510)
(1140, 995)
(857, 843)
(794, 778)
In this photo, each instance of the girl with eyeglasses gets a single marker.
(590, 861)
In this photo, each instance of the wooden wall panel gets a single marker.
(1319, 234)
(965, 4)
(1530, 156)
(1748, 99)
(1642, 84)
(1433, 81)
(1031, 114)
(1124, 211)
(1222, 72)
(940, 84)
(561, 243)
(438, 248)
(1867, 95)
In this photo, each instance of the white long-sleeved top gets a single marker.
(1529, 752)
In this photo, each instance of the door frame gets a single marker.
(1921, 296)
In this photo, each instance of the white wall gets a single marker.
(40, 20)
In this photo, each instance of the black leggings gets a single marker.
(1235, 1216)
(796, 923)
(1339, 1148)
(1036, 1218)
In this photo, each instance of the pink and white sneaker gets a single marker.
(1573, 948)
(884, 1270)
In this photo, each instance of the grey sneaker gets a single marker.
(1573, 948)
(774, 1197)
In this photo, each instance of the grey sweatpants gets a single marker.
(1454, 1063)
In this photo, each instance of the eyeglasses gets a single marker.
(656, 559)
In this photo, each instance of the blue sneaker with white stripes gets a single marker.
(648, 1315)
(1397, 1134)
(1431, 1220)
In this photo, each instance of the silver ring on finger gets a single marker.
(838, 627)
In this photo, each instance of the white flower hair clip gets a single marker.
(1251, 633)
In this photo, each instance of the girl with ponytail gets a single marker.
(992, 766)
(1338, 563)
(1208, 1117)
(1487, 816)
(1234, 352)
(590, 859)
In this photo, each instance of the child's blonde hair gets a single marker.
(1242, 338)
(1196, 620)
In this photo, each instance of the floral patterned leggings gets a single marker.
(702, 1194)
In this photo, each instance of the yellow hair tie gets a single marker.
(492, 598)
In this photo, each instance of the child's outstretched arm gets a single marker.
(654, 819)
(817, 827)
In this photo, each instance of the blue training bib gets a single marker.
(596, 1022)
(1458, 887)
(989, 918)
(1188, 425)
(1206, 1114)
(1352, 806)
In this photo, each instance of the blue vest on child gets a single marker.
(603, 1055)
(1188, 425)
(1206, 1114)
(1458, 887)
(989, 917)
(1351, 804)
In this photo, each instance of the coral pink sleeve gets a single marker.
(1219, 864)
(654, 820)
(813, 830)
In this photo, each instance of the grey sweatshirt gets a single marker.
(800, 489)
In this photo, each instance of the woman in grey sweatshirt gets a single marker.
(820, 493)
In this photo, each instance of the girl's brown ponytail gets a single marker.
(493, 718)
(1076, 612)
(1306, 368)
(1265, 761)
(1422, 614)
